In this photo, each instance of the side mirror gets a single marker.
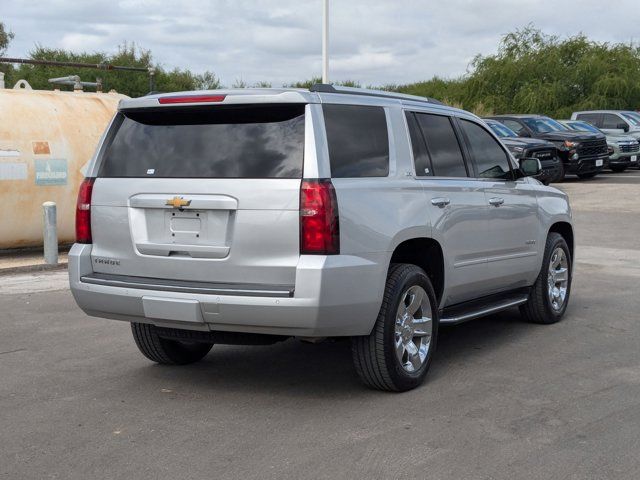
(622, 126)
(530, 167)
(524, 133)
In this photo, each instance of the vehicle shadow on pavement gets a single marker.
(294, 368)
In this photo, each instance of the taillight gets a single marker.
(83, 211)
(319, 225)
(191, 99)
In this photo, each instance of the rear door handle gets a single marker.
(496, 201)
(440, 202)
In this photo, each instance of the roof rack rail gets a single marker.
(328, 88)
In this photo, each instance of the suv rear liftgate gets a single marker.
(198, 190)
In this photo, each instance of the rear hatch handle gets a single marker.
(179, 203)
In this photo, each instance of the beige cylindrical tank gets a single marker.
(46, 140)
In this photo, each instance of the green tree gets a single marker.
(207, 81)
(5, 39)
(134, 84)
(533, 72)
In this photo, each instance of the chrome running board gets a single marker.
(459, 314)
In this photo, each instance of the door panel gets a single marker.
(512, 212)
(455, 203)
(513, 256)
(459, 219)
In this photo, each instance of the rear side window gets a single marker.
(442, 144)
(591, 118)
(420, 154)
(358, 140)
(265, 141)
(513, 125)
(490, 158)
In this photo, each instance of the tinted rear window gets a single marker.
(358, 140)
(264, 141)
(442, 143)
(420, 154)
(592, 118)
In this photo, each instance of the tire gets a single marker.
(560, 175)
(618, 169)
(379, 363)
(539, 307)
(586, 176)
(165, 351)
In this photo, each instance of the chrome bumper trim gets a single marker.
(181, 286)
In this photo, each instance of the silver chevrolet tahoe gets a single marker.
(252, 216)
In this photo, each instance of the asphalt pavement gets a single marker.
(504, 399)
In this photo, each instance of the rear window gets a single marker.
(589, 117)
(265, 141)
(358, 140)
(443, 146)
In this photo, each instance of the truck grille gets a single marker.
(593, 148)
(542, 154)
(630, 147)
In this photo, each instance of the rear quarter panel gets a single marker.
(379, 213)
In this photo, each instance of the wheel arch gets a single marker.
(566, 230)
(427, 254)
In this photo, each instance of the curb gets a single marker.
(43, 267)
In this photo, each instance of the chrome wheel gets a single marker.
(558, 278)
(413, 329)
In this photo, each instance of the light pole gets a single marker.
(325, 41)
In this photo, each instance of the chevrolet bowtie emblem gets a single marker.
(178, 202)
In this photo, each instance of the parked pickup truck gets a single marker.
(615, 122)
(253, 216)
(520, 147)
(623, 149)
(582, 153)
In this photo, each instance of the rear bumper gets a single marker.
(336, 295)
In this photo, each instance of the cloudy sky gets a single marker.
(373, 42)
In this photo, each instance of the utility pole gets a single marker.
(325, 41)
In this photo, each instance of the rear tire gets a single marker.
(165, 351)
(397, 354)
(544, 305)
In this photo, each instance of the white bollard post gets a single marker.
(50, 233)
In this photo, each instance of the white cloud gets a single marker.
(81, 41)
(371, 42)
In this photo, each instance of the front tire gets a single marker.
(397, 354)
(587, 176)
(560, 175)
(618, 169)
(167, 351)
(549, 296)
